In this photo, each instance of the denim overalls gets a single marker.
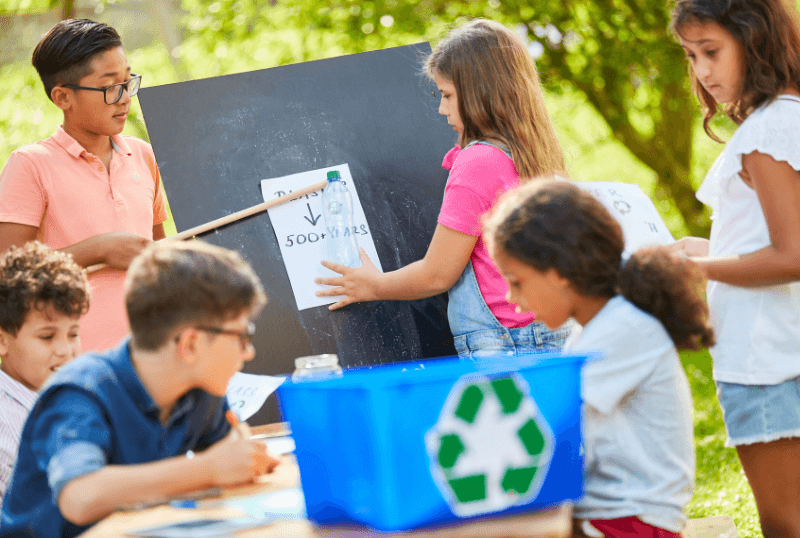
(476, 331)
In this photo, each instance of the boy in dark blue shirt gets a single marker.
(145, 420)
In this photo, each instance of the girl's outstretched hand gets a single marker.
(690, 246)
(357, 284)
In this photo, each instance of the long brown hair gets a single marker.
(769, 34)
(499, 97)
(556, 225)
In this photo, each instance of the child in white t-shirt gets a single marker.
(560, 251)
(746, 57)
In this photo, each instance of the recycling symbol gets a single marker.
(491, 447)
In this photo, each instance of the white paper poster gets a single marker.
(634, 210)
(246, 393)
(300, 229)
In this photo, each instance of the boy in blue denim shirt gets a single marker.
(123, 426)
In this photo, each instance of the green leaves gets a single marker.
(616, 55)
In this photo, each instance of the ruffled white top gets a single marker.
(757, 329)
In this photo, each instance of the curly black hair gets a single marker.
(554, 224)
(36, 277)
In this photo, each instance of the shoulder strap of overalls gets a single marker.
(497, 145)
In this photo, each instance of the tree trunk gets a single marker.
(674, 140)
(68, 9)
(668, 151)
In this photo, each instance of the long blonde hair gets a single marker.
(499, 97)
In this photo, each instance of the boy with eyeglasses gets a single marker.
(86, 190)
(145, 420)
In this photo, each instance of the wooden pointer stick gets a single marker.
(233, 217)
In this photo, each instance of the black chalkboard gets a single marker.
(215, 139)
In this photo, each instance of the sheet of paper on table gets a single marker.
(246, 393)
(199, 528)
(634, 210)
(282, 504)
(299, 227)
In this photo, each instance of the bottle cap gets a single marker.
(333, 175)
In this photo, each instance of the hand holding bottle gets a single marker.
(357, 284)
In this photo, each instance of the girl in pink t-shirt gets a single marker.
(491, 96)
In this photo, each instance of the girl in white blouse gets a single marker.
(745, 55)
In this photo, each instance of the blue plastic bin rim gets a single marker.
(433, 370)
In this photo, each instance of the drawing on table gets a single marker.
(246, 393)
(641, 223)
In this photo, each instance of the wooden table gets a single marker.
(554, 523)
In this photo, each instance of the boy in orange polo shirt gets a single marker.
(86, 190)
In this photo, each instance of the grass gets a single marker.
(721, 487)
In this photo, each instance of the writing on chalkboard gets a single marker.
(301, 233)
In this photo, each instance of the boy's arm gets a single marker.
(8, 453)
(13, 234)
(158, 232)
(233, 460)
(71, 441)
(115, 249)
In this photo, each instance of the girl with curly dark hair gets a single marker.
(745, 56)
(560, 251)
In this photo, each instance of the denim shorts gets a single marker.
(760, 413)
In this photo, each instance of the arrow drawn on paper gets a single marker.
(313, 220)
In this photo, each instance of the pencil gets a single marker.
(240, 427)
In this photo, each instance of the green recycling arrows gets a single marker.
(491, 447)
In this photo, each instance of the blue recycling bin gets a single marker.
(429, 443)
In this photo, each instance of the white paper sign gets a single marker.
(246, 393)
(634, 210)
(300, 229)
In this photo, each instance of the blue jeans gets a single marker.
(760, 413)
(477, 333)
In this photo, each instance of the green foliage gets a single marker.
(619, 55)
(26, 115)
(16, 7)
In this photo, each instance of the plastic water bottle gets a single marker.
(337, 209)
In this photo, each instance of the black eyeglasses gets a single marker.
(245, 337)
(112, 94)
